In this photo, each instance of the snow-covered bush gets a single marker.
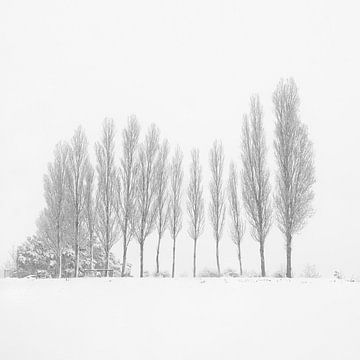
(34, 256)
(310, 271)
(279, 273)
(338, 274)
(208, 273)
(162, 274)
(251, 274)
(230, 273)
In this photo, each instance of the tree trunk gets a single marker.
(240, 263)
(263, 273)
(123, 265)
(173, 258)
(76, 248)
(288, 255)
(142, 259)
(60, 265)
(157, 256)
(91, 256)
(194, 264)
(217, 257)
(76, 260)
(59, 247)
(107, 263)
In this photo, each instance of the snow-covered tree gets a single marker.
(175, 195)
(255, 177)
(217, 207)
(107, 227)
(295, 159)
(161, 196)
(146, 190)
(195, 203)
(77, 168)
(237, 226)
(126, 187)
(53, 223)
(90, 212)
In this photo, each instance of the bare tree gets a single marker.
(146, 206)
(175, 212)
(106, 222)
(162, 209)
(195, 203)
(52, 224)
(237, 225)
(295, 159)
(217, 195)
(255, 176)
(126, 190)
(90, 214)
(76, 172)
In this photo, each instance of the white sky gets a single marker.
(189, 66)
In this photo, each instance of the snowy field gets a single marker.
(164, 319)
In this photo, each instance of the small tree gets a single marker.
(237, 225)
(255, 176)
(295, 159)
(106, 222)
(217, 199)
(146, 206)
(175, 212)
(162, 208)
(195, 203)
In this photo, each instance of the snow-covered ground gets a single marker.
(164, 319)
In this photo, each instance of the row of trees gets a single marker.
(144, 191)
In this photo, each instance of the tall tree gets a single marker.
(146, 186)
(76, 172)
(106, 223)
(175, 212)
(126, 190)
(162, 209)
(295, 159)
(237, 225)
(90, 214)
(217, 196)
(52, 223)
(195, 203)
(255, 176)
